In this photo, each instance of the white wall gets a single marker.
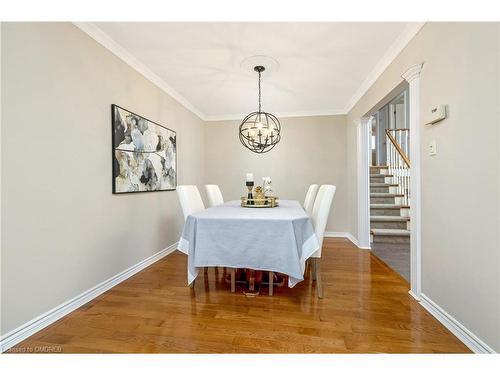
(312, 150)
(62, 230)
(461, 185)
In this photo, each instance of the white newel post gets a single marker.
(364, 148)
(412, 76)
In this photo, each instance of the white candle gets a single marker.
(249, 177)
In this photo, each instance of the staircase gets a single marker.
(389, 220)
(390, 198)
(389, 217)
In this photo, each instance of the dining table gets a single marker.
(278, 239)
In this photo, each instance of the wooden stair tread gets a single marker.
(387, 205)
(385, 195)
(391, 232)
(381, 184)
(388, 218)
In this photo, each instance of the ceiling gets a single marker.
(323, 68)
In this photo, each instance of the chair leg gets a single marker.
(192, 284)
(206, 270)
(313, 269)
(271, 282)
(233, 280)
(319, 284)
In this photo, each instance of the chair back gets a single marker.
(310, 197)
(214, 195)
(320, 213)
(190, 199)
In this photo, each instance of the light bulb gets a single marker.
(260, 125)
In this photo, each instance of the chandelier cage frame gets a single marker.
(260, 131)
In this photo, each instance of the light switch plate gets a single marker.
(432, 148)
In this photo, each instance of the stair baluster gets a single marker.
(398, 162)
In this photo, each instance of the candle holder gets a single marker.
(250, 188)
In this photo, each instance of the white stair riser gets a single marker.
(405, 212)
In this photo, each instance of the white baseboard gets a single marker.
(347, 235)
(415, 297)
(473, 342)
(26, 330)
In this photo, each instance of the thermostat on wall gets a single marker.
(437, 114)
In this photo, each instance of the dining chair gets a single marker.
(319, 218)
(215, 198)
(214, 195)
(191, 202)
(190, 199)
(310, 196)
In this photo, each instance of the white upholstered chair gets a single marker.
(190, 199)
(214, 195)
(215, 198)
(319, 217)
(191, 202)
(310, 197)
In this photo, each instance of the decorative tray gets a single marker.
(267, 202)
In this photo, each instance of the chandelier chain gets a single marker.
(260, 131)
(259, 94)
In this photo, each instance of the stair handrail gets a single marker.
(398, 163)
(397, 146)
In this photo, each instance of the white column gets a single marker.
(363, 151)
(412, 76)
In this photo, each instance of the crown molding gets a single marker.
(327, 112)
(110, 44)
(399, 44)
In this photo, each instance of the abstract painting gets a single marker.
(144, 154)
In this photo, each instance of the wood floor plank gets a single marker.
(366, 309)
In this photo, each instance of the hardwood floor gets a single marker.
(366, 309)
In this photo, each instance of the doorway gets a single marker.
(389, 192)
(389, 170)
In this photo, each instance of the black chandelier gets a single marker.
(260, 131)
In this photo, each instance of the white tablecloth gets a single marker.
(276, 239)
